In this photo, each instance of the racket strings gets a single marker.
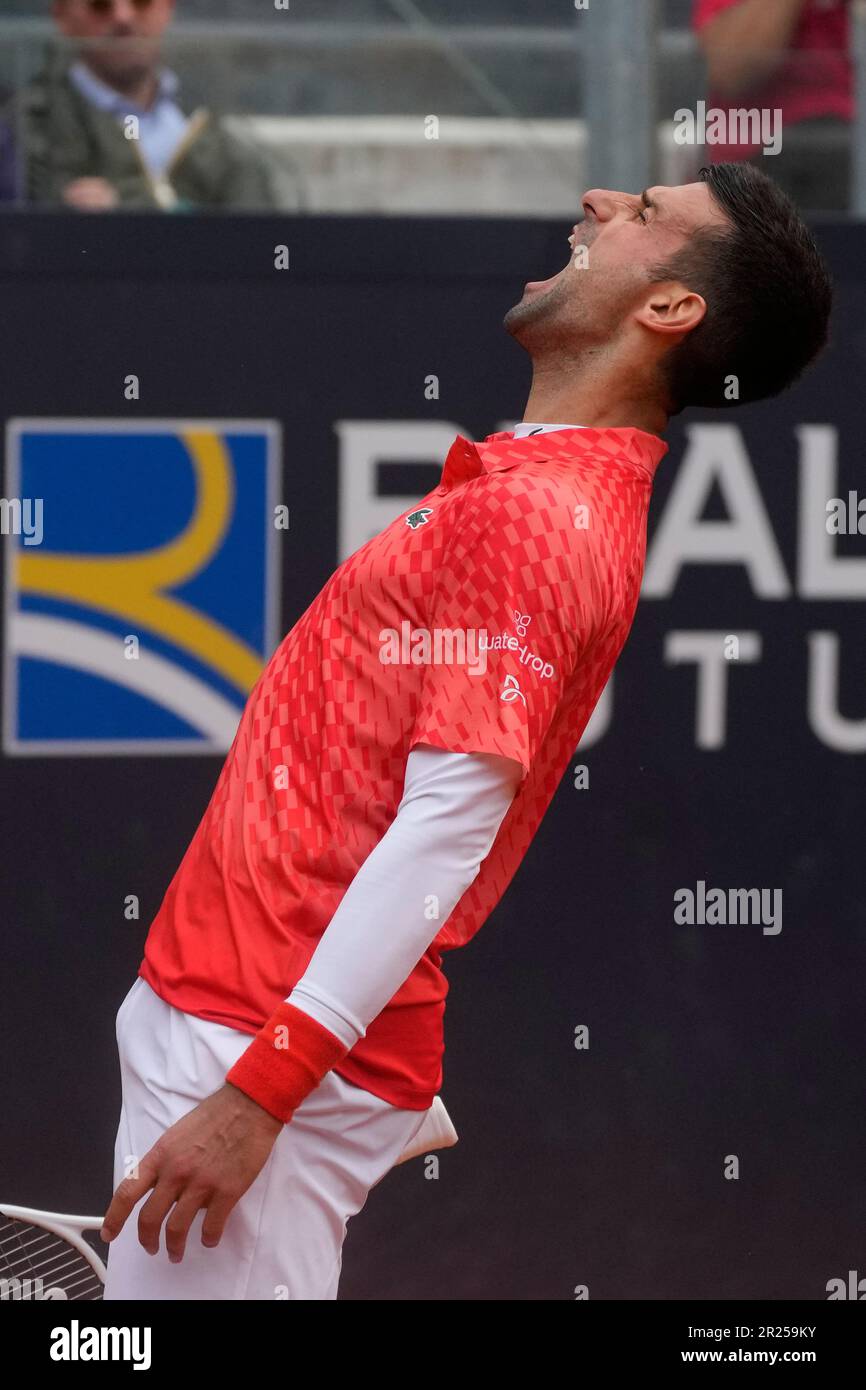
(30, 1253)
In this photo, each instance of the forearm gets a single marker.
(407, 888)
(746, 44)
(448, 818)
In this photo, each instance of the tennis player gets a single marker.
(282, 1045)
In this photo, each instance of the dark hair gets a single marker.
(768, 293)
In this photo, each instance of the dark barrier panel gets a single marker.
(710, 1046)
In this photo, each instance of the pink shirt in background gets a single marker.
(814, 80)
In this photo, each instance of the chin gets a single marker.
(513, 319)
(528, 311)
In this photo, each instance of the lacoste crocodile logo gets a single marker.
(419, 518)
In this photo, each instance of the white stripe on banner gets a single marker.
(86, 649)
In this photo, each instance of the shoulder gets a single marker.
(50, 94)
(549, 508)
(530, 533)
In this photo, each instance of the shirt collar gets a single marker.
(633, 448)
(527, 428)
(107, 98)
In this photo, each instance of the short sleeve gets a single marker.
(516, 601)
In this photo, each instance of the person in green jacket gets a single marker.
(108, 130)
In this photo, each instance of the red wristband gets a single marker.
(286, 1060)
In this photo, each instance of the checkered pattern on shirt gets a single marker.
(316, 771)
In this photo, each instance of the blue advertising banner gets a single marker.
(141, 589)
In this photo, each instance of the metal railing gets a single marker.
(617, 48)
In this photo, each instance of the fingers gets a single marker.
(156, 1209)
(168, 1193)
(207, 1159)
(216, 1216)
(88, 193)
(186, 1206)
(128, 1192)
(178, 1224)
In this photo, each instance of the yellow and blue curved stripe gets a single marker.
(160, 531)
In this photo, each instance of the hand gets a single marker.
(90, 195)
(207, 1159)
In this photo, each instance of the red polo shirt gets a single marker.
(532, 548)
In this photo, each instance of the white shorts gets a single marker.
(284, 1238)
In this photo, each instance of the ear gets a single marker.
(671, 308)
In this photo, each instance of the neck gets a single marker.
(140, 86)
(580, 392)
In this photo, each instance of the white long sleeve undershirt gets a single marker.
(452, 807)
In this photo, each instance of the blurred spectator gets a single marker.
(791, 55)
(74, 119)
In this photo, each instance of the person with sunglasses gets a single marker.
(110, 129)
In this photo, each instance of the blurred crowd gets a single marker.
(791, 56)
(107, 124)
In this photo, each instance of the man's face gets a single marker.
(121, 37)
(624, 235)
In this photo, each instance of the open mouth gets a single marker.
(538, 286)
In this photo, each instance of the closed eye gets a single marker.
(647, 203)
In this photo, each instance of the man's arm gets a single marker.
(452, 807)
(447, 820)
(747, 42)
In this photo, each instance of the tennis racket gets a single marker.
(43, 1255)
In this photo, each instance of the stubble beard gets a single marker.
(526, 320)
